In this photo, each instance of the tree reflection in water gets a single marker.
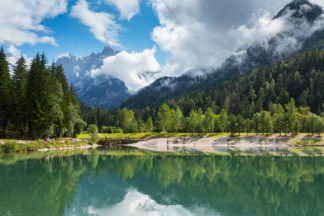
(257, 185)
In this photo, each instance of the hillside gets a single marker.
(263, 52)
(300, 77)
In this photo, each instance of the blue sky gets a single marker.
(73, 37)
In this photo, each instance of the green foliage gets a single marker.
(264, 101)
(9, 147)
(93, 131)
(164, 119)
(149, 125)
(38, 101)
(315, 124)
(223, 120)
(5, 93)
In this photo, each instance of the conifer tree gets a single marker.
(19, 97)
(5, 93)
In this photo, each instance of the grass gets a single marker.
(150, 135)
(153, 135)
(307, 141)
(13, 146)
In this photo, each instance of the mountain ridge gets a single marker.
(104, 90)
(296, 13)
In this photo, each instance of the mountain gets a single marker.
(302, 30)
(104, 90)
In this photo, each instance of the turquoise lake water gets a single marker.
(98, 182)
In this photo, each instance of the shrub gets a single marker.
(10, 147)
(111, 130)
(93, 131)
(118, 130)
(107, 129)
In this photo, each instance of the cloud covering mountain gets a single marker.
(109, 77)
(298, 26)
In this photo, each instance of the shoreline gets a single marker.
(245, 144)
(69, 148)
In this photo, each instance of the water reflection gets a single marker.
(101, 183)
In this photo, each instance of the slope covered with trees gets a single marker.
(286, 96)
(264, 52)
(36, 100)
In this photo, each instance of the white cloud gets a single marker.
(136, 203)
(136, 69)
(64, 55)
(102, 25)
(319, 2)
(204, 33)
(20, 20)
(292, 34)
(13, 54)
(127, 8)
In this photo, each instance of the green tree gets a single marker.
(177, 118)
(149, 125)
(38, 98)
(265, 122)
(292, 117)
(127, 120)
(5, 93)
(240, 124)
(19, 98)
(232, 124)
(192, 121)
(279, 122)
(209, 120)
(223, 120)
(93, 132)
(257, 122)
(164, 121)
(248, 125)
(314, 124)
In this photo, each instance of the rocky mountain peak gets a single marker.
(301, 9)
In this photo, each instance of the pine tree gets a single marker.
(5, 93)
(38, 98)
(19, 95)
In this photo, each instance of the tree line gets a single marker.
(278, 119)
(285, 97)
(36, 100)
(300, 77)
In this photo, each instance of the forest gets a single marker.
(285, 97)
(36, 100)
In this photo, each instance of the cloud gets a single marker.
(13, 54)
(291, 33)
(136, 203)
(136, 69)
(204, 33)
(102, 25)
(127, 8)
(20, 20)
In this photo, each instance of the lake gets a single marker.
(129, 182)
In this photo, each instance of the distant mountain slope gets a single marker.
(105, 90)
(305, 24)
(300, 77)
